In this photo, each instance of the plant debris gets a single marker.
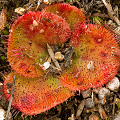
(10, 102)
(3, 18)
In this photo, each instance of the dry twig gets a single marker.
(3, 18)
(51, 53)
(11, 98)
(113, 109)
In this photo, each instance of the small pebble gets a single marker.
(89, 103)
(93, 117)
(86, 93)
(46, 65)
(90, 65)
(103, 92)
(114, 84)
(2, 114)
(96, 90)
(59, 56)
(20, 10)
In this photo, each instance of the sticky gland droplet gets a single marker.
(103, 54)
(99, 40)
(10, 30)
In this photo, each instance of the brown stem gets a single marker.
(11, 98)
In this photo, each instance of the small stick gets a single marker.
(38, 4)
(51, 53)
(115, 102)
(11, 98)
(100, 14)
(113, 109)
